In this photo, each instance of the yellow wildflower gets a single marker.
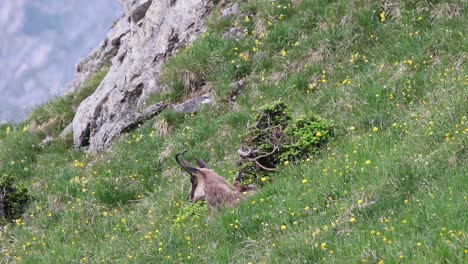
(382, 16)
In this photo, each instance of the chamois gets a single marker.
(207, 184)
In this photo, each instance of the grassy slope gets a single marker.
(391, 187)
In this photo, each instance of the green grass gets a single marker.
(390, 187)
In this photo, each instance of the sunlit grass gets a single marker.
(390, 188)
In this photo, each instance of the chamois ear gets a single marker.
(201, 163)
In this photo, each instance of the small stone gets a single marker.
(233, 33)
(194, 104)
(234, 9)
(67, 131)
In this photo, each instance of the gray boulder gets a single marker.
(232, 10)
(67, 131)
(194, 104)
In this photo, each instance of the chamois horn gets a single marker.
(184, 164)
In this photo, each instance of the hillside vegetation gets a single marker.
(390, 186)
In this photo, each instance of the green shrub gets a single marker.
(306, 136)
(276, 138)
(262, 142)
(13, 198)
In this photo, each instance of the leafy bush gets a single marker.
(13, 198)
(276, 138)
(260, 146)
(306, 136)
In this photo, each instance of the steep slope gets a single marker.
(389, 188)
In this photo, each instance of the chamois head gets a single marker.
(196, 177)
(207, 184)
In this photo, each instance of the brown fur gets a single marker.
(208, 185)
(218, 192)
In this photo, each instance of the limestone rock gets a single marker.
(130, 6)
(140, 11)
(236, 88)
(67, 131)
(46, 141)
(237, 85)
(147, 35)
(194, 104)
(227, 12)
(233, 33)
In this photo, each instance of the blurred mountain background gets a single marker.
(40, 44)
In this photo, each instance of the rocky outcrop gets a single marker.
(232, 10)
(147, 35)
(194, 104)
